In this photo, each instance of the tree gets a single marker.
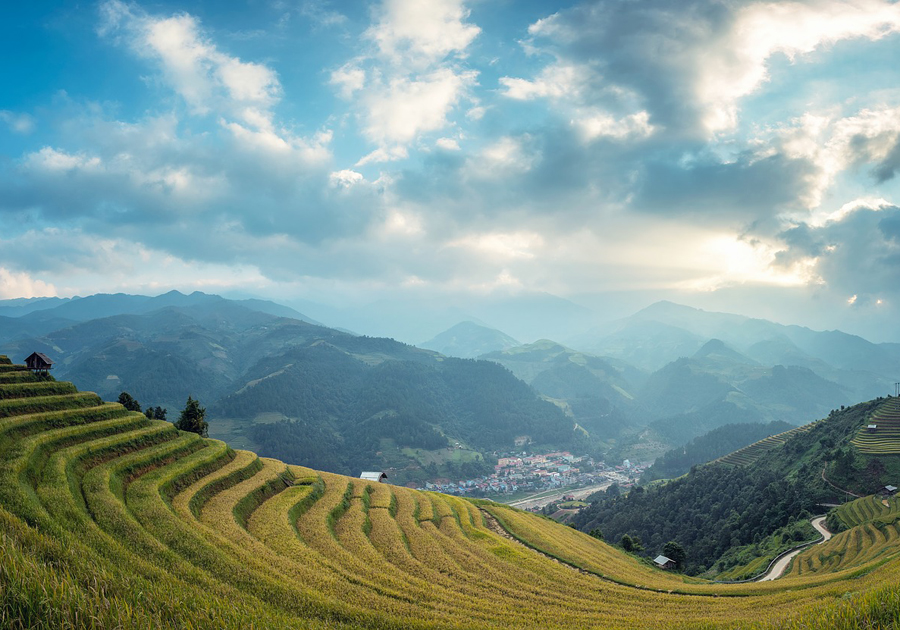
(673, 551)
(193, 418)
(127, 401)
(627, 543)
(596, 533)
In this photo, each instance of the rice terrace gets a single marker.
(111, 520)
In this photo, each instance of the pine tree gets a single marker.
(193, 418)
(127, 401)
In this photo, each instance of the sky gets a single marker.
(736, 156)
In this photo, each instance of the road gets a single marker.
(543, 498)
(781, 565)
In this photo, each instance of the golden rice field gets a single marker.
(110, 520)
(884, 439)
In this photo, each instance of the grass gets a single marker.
(110, 520)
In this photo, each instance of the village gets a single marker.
(524, 473)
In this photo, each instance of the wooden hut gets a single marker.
(664, 563)
(39, 363)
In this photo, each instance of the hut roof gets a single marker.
(373, 475)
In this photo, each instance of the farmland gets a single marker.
(108, 519)
(753, 452)
(883, 438)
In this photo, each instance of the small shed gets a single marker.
(664, 563)
(39, 362)
(378, 476)
(871, 428)
(889, 491)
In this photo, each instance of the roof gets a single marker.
(661, 560)
(873, 426)
(43, 357)
(372, 475)
(891, 488)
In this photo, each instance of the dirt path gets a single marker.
(778, 569)
(825, 479)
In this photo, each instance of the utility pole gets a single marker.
(897, 389)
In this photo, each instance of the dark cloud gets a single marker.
(858, 254)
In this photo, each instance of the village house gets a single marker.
(667, 564)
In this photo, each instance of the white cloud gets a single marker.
(50, 159)
(448, 144)
(594, 125)
(834, 144)
(508, 155)
(405, 108)
(345, 178)
(384, 154)
(421, 32)
(558, 80)
(22, 285)
(793, 29)
(19, 123)
(502, 244)
(349, 78)
(207, 78)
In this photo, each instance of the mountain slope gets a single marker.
(112, 520)
(722, 505)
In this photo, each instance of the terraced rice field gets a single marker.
(110, 520)
(885, 438)
(751, 453)
(874, 538)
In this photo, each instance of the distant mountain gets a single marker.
(599, 393)
(666, 331)
(107, 305)
(468, 340)
(522, 315)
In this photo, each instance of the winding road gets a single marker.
(778, 569)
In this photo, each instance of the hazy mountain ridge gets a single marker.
(468, 340)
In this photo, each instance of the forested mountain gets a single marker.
(710, 446)
(302, 392)
(719, 506)
(599, 393)
(380, 414)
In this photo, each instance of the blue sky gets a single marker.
(733, 155)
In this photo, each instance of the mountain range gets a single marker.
(631, 388)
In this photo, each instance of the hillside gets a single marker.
(746, 496)
(379, 403)
(598, 393)
(109, 519)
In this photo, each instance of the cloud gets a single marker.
(856, 253)
(18, 123)
(22, 285)
(660, 51)
(405, 108)
(207, 78)
(419, 33)
(414, 79)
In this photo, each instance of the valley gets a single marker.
(135, 524)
